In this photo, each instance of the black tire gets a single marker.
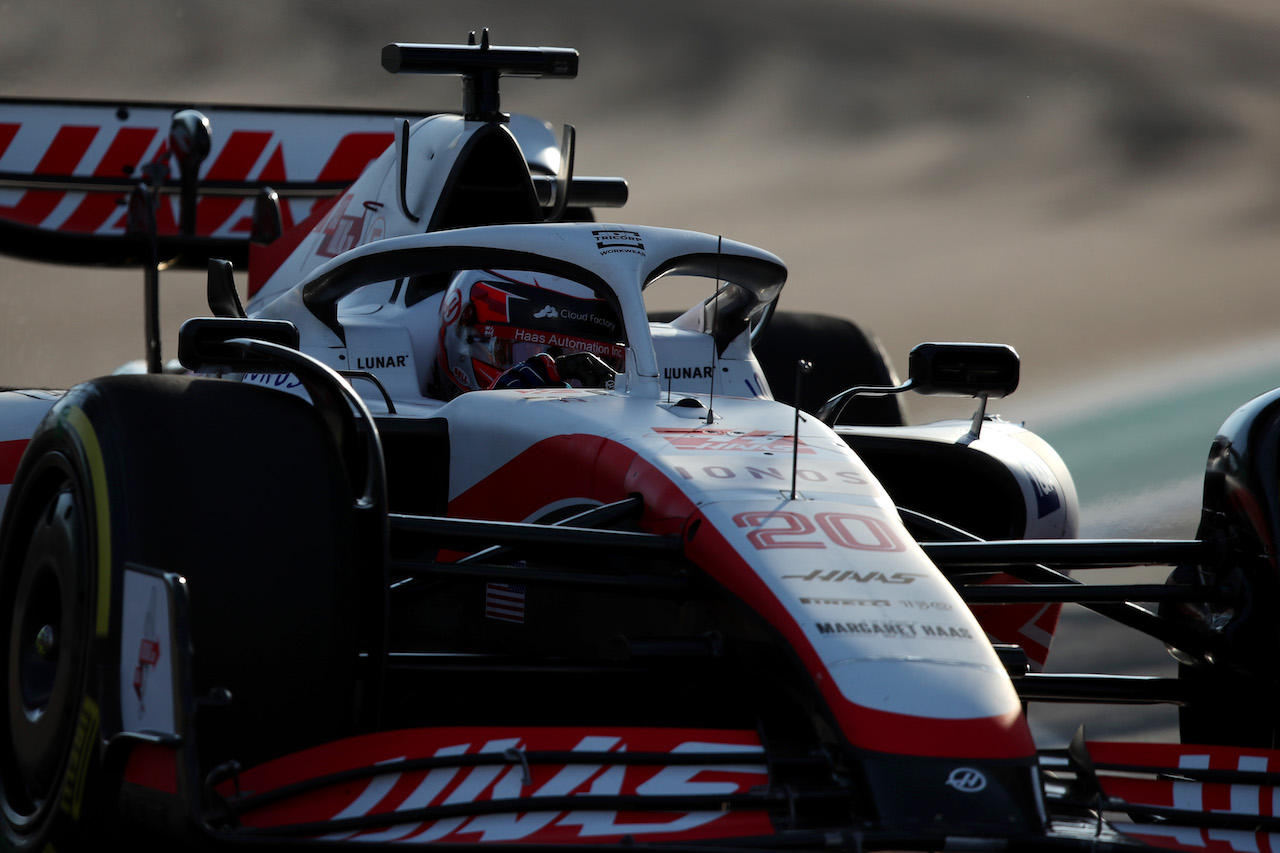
(240, 490)
(842, 354)
(50, 771)
(1228, 708)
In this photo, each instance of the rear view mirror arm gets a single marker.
(830, 411)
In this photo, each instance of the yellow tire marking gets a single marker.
(83, 744)
(78, 421)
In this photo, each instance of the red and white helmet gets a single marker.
(490, 321)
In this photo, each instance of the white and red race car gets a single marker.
(440, 538)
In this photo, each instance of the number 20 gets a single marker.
(845, 529)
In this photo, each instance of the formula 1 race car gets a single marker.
(439, 537)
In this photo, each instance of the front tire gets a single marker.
(239, 489)
(842, 354)
(50, 769)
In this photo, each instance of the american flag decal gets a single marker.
(504, 601)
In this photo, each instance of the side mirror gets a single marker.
(964, 369)
(202, 343)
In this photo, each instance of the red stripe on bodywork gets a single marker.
(352, 154)
(290, 800)
(1171, 755)
(92, 213)
(66, 150)
(33, 208)
(10, 456)
(153, 766)
(61, 158)
(7, 133)
(125, 152)
(122, 157)
(274, 170)
(237, 157)
(265, 260)
(233, 163)
(1030, 626)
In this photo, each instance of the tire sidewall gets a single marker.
(63, 452)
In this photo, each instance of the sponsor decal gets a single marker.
(946, 632)
(584, 317)
(523, 782)
(879, 629)
(146, 669)
(771, 473)
(796, 530)
(529, 305)
(552, 339)
(754, 441)
(504, 602)
(613, 241)
(967, 780)
(1048, 500)
(894, 629)
(703, 372)
(71, 141)
(380, 362)
(925, 605)
(342, 231)
(273, 380)
(148, 654)
(286, 382)
(451, 308)
(83, 744)
(846, 602)
(837, 576)
(534, 395)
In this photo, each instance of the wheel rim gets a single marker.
(47, 640)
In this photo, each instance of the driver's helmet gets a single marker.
(491, 321)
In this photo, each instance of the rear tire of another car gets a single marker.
(842, 355)
(238, 489)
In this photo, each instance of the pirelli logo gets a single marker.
(82, 746)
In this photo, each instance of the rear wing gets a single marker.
(67, 169)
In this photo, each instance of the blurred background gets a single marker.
(1096, 183)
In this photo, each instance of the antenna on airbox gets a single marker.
(802, 367)
(715, 318)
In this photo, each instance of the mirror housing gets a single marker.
(964, 369)
(202, 343)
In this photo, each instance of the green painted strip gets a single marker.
(1154, 441)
